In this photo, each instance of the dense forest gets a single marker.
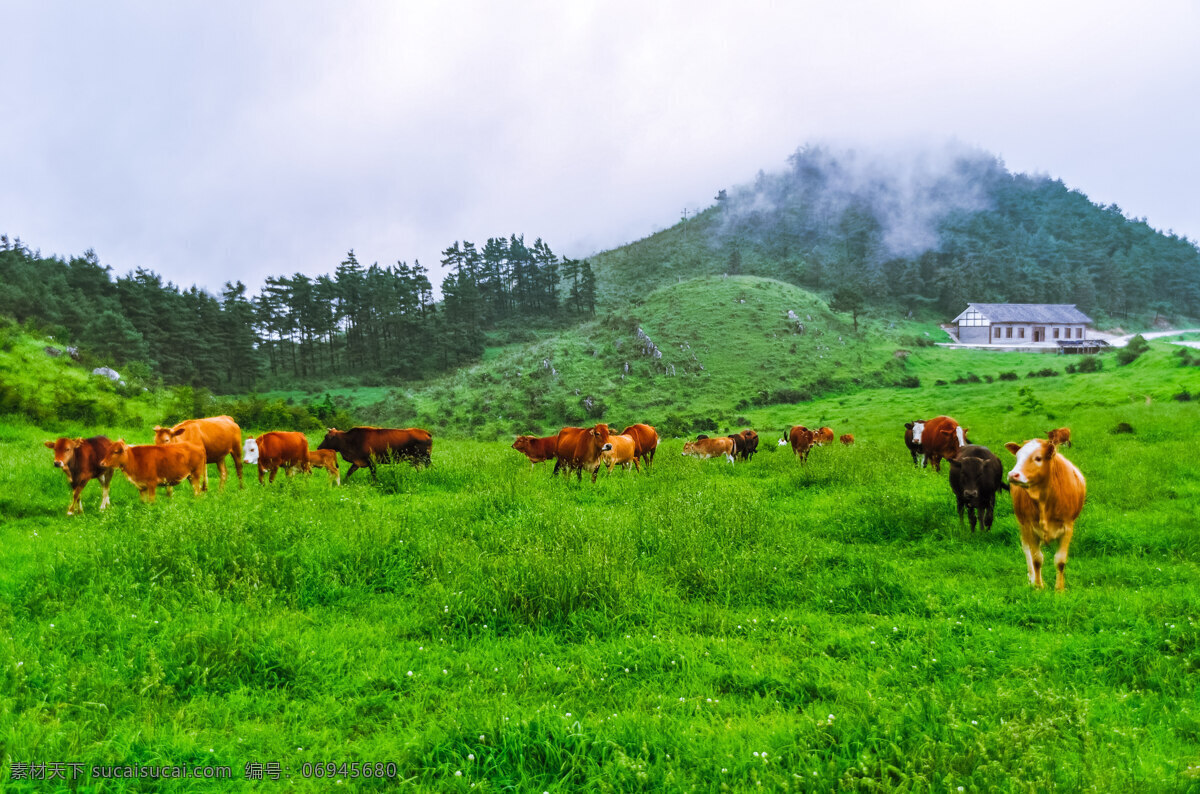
(926, 230)
(380, 320)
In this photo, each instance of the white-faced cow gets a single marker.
(1048, 498)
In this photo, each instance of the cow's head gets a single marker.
(64, 450)
(165, 435)
(250, 451)
(333, 440)
(600, 433)
(522, 443)
(971, 474)
(917, 428)
(689, 447)
(1033, 462)
(118, 453)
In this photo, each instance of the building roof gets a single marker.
(1057, 313)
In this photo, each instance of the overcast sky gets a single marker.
(215, 141)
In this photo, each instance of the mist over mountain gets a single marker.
(931, 226)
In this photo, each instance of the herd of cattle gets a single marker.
(1048, 498)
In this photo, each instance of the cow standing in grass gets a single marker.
(217, 435)
(80, 459)
(646, 439)
(801, 440)
(579, 449)
(1048, 498)
(976, 475)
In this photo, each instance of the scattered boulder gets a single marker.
(106, 372)
(53, 352)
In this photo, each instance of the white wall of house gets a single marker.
(1022, 333)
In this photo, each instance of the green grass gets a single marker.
(825, 627)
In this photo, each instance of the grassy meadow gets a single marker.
(703, 627)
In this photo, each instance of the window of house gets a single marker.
(1079, 333)
(1021, 333)
(997, 334)
(1056, 333)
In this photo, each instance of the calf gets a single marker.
(801, 440)
(823, 436)
(324, 459)
(1048, 498)
(80, 459)
(912, 439)
(705, 448)
(622, 452)
(1060, 437)
(148, 466)
(277, 449)
(847, 439)
(537, 449)
(975, 476)
(646, 439)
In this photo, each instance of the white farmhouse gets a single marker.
(1021, 324)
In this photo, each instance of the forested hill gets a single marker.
(926, 231)
(921, 229)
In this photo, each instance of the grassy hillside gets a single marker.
(724, 346)
(486, 627)
(52, 390)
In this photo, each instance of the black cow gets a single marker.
(976, 475)
(914, 445)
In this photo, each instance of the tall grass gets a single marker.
(703, 627)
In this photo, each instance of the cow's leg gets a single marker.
(636, 466)
(76, 505)
(148, 494)
(1060, 559)
(105, 484)
(237, 464)
(195, 484)
(353, 468)
(274, 471)
(260, 474)
(971, 516)
(222, 471)
(170, 491)
(961, 505)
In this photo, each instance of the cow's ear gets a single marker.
(49, 444)
(908, 425)
(75, 443)
(159, 428)
(178, 433)
(1050, 448)
(1012, 447)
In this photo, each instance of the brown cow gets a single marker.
(646, 438)
(801, 440)
(148, 466)
(847, 439)
(940, 438)
(622, 452)
(219, 435)
(79, 458)
(270, 451)
(823, 436)
(579, 448)
(363, 447)
(745, 444)
(1049, 498)
(324, 459)
(1060, 437)
(704, 448)
(537, 448)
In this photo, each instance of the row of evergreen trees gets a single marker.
(360, 320)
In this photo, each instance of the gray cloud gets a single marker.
(220, 140)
